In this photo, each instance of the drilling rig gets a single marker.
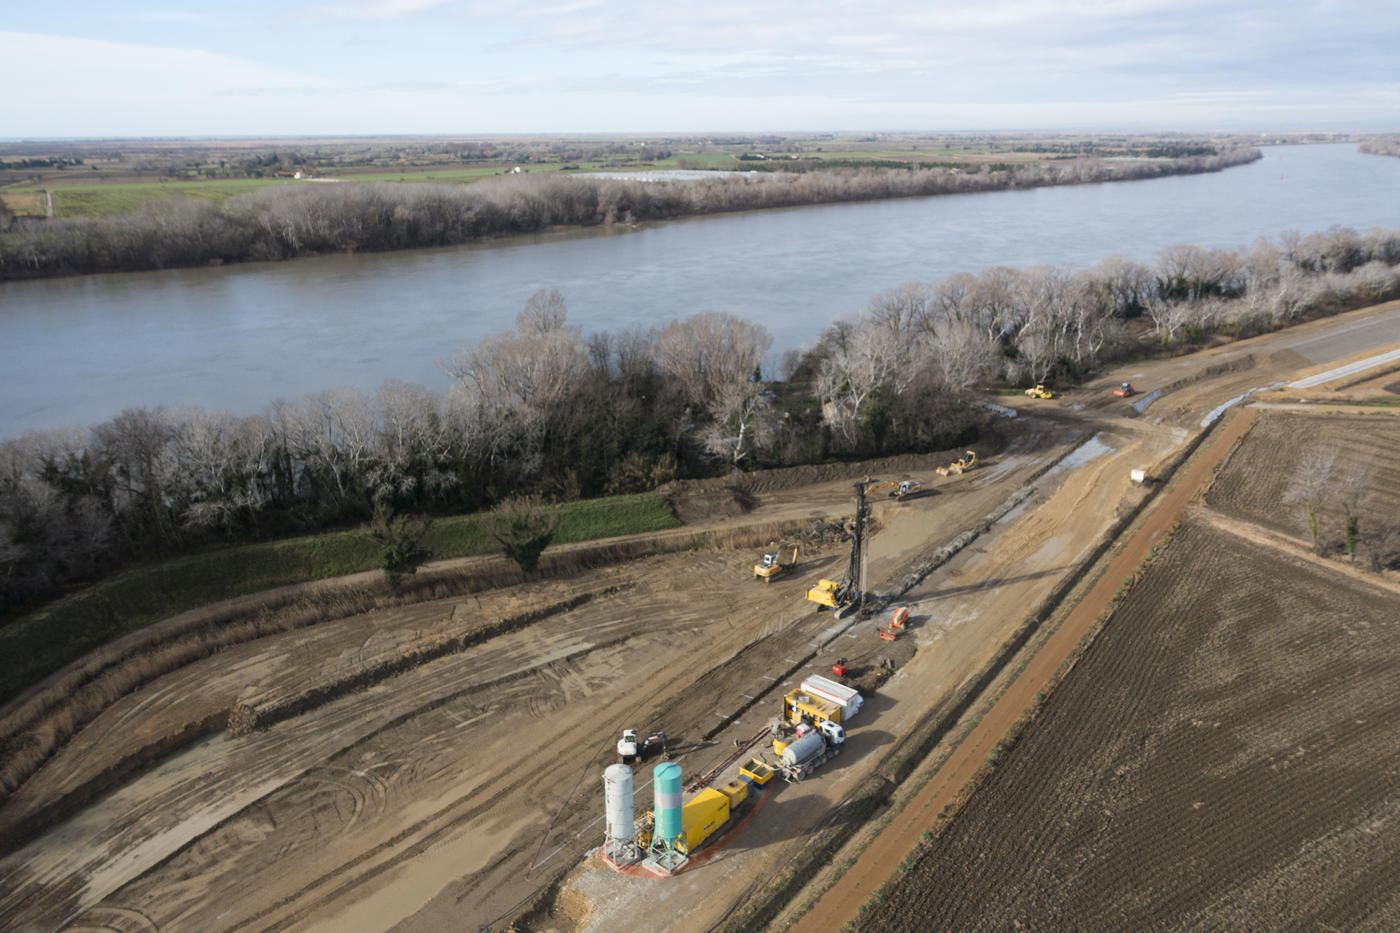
(845, 595)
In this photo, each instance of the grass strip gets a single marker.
(63, 631)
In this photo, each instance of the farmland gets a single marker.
(108, 177)
(434, 763)
(1221, 757)
(1289, 461)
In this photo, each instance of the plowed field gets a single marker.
(1285, 456)
(1223, 757)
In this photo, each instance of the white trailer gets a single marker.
(843, 696)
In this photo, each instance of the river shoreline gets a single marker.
(280, 224)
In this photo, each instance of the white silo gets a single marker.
(620, 839)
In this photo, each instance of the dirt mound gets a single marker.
(694, 505)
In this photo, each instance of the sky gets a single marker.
(94, 68)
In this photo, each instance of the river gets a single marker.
(76, 351)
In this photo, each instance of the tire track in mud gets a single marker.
(570, 825)
(276, 744)
(19, 826)
(622, 621)
(343, 814)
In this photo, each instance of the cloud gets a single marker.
(369, 10)
(90, 83)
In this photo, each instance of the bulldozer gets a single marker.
(1125, 390)
(1039, 391)
(775, 563)
(844, 595)
(961, 465)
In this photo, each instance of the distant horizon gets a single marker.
(690, 134)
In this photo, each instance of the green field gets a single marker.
(40, 643)
(117, 197)
(98, 179)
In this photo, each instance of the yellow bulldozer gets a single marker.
(1039, 391)
(775, 563)
(961, 465)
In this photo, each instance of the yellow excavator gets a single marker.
(774, 564)
(899, 489)
(961, 465)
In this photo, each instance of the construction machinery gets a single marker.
(1039, 391)
(630, 750)
(902, 489)
(844, 595)
(710, 810)
(774, 564)
(892, 629)
(807, 749)
(961, 465)
(1125, 390)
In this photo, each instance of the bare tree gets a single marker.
(906, 310)
(544, 312)
(716, 359)
(515, 386)
(1309, 486)
(874, 359)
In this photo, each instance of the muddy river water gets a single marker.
(76, 351)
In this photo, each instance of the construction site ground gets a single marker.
(455, 792)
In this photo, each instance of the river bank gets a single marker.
(289, 222)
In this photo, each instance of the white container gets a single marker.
(843, 696)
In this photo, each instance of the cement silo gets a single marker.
(620, 839)
(668, 841)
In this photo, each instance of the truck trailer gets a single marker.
(847, 698)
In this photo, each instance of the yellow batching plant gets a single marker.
(692, 824)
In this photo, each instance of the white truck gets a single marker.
(808, 750)
(827, 689)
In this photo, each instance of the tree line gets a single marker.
(547, 410)
(286, 221)
(1381, 145)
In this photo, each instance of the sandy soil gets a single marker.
(447, 795)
